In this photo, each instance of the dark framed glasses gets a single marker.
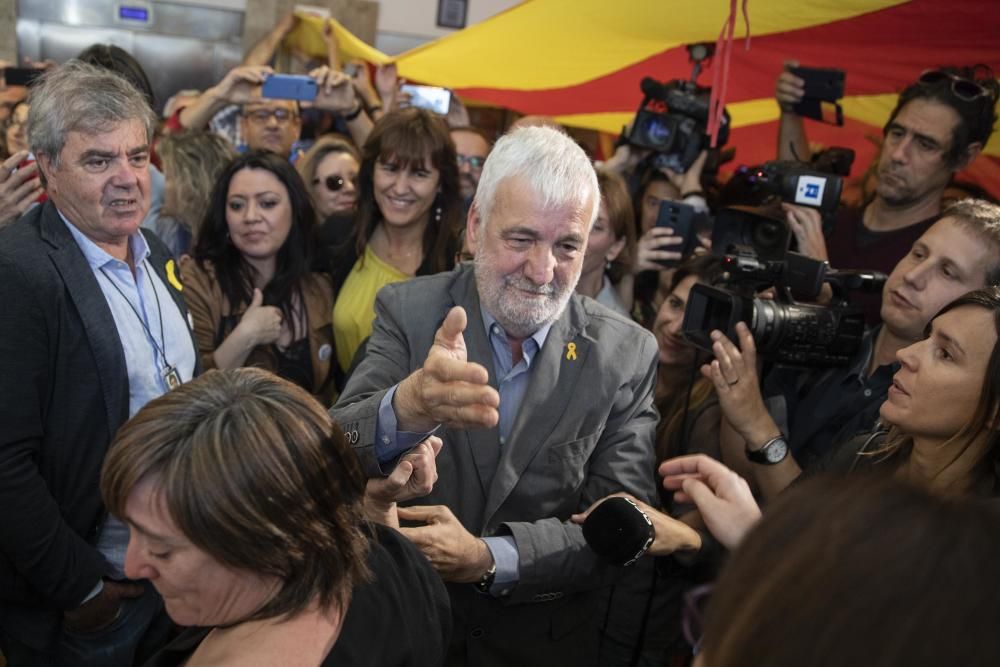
(473, 161)
(332, 183)
(962, 88)
(261, 116)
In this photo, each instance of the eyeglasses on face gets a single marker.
(332, 183)
(473, 161)
(261, 116)
(962, 88)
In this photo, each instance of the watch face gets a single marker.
(776, 451)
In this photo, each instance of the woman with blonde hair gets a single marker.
(192, 161)
(330, 170)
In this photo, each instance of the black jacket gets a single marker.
(63, 394)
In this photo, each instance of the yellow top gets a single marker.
(354, 310)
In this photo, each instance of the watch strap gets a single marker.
(762, 455)
(486, 581)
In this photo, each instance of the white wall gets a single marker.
(404, 24)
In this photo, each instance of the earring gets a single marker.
(437, 213)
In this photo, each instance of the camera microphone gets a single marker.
(618, 531)
(652, 88)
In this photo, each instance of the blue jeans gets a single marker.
(141, 628)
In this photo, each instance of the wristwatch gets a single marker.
(486, 581)
(774, 451)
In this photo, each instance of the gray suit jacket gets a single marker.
(584, 430)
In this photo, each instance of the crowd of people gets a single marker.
(342, 381)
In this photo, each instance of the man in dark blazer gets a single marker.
(543, 400)
(92, 325)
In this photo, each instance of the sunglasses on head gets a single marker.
(332, 183)
(962, 88)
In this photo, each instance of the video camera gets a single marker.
(796, 183)
(673, 116)
(754, 247)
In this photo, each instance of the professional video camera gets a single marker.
(754, 247)
(795, 183)
(673, 116)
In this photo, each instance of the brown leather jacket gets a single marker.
(213, 318)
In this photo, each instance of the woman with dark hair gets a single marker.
(121, 62)
(942, 407)
(246, 510)
(409, 212)
(867, 572)
(250, 291)
(689, 410)
(610, 247)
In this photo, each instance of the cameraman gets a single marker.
(819, 410)
(939, 125)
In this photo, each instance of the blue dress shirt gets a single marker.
(512, 383)
(138, 304)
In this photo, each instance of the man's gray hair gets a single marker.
(77, 97)
(550, 162)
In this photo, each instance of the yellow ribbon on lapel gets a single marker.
(172, 276)
(570, 351)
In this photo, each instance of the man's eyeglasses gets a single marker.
(261, 116)
(332, 183)
(962, 88)
(473, 161)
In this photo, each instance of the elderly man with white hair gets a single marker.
(543, 400)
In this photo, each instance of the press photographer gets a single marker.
(941, 122)
(787, 329)
(808, 418)
(665, 154)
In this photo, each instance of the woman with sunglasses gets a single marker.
(330, 169)
(252, 297)
(409, 212)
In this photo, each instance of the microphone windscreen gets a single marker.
(618, 531)
(652, 88)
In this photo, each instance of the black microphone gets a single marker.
(618, 531)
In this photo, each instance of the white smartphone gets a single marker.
(429, 97)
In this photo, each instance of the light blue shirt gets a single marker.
(142, 308)
(512, 383)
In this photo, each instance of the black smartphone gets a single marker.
(820, 83)
(684, 221)
(21, 76)
(823, 87)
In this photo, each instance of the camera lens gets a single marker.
(766, 234)
(658, 132)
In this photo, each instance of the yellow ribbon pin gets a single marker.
(570, 351)
(172, 276)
